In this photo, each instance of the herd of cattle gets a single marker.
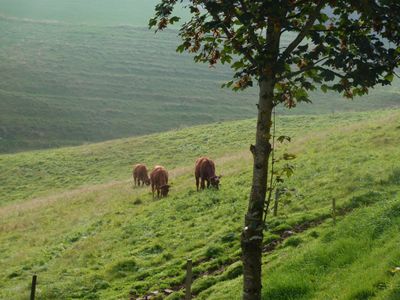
(204, 173)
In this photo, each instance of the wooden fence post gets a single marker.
(188, 284)
(33, 287)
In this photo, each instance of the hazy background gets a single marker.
(73, 72)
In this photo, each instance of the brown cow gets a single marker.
(140, 175)
(159, 181)
(205, 170)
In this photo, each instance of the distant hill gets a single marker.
(74, 72)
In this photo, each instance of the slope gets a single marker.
(105, 240)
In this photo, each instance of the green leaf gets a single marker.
(174, 19)
(152, 22)
(389, 77)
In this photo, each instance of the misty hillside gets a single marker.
(73, 72)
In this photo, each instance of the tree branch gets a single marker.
(313, 16)
(231, 36)
(329, 70)
(308, 68)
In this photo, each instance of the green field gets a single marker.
(72, 216)
(74, 72)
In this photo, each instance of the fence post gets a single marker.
(334, 210)
(188, 284)
(33, 287)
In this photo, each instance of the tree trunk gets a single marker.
(252, 234)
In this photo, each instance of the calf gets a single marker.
(205, 171)
(159, 181)
(140, 175)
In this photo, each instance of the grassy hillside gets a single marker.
(74, 72)
(40, 173)
(102, 241)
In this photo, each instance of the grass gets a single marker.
(102, 241)
(66, 81)
(354, 260)
(39, 173)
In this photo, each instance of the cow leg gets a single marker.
(197, 183)
(202, 184)
(152, 189)
(158, 193)
(208, 184)
(134, 180)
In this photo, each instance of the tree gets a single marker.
(347, 46)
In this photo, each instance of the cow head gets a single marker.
(164, 190)
(215, 181)
(147, 181)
